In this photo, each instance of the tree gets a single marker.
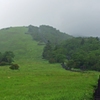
(60, 58)
(1, 56)
(82, 42)
(8, 56)
(47, 51)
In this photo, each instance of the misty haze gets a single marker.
(73, 17)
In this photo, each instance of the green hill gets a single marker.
(45, 33)
(24, 45)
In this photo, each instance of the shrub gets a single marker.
(14, 66)
(52, 60)
(3, 63)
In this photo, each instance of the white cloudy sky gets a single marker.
(75, 17)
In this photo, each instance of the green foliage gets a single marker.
(1, 56)
(3, 63)
(60, 58)
(71, 63)
(81, 52)
(47, 51)
(14, 67)
(6, 58)
(33, 31)
(54, 54)
(89, 60)
(52, 60)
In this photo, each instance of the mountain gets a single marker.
(23, 41)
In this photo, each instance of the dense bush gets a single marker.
(3, 63)
(52, 60)
(6, 58)
(14, 66)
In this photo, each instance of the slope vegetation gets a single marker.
(45, 33)
(23, 46)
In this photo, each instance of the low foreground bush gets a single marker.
(14, 66)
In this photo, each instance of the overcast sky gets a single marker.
(75, 17)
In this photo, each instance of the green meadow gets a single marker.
(36, 79)
(43, 81)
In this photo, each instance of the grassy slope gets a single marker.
(42, 81)
(37, 79)
(21, 44)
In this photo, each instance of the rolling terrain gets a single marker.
(37, 79)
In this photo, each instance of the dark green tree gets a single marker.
(82, 42)
(60, 58)
(8, 56)
(1, 56)
(47, 52)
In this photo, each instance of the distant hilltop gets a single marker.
(43, 33)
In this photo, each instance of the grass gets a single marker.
(37, 79)
(44, 81)
(21, 44)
